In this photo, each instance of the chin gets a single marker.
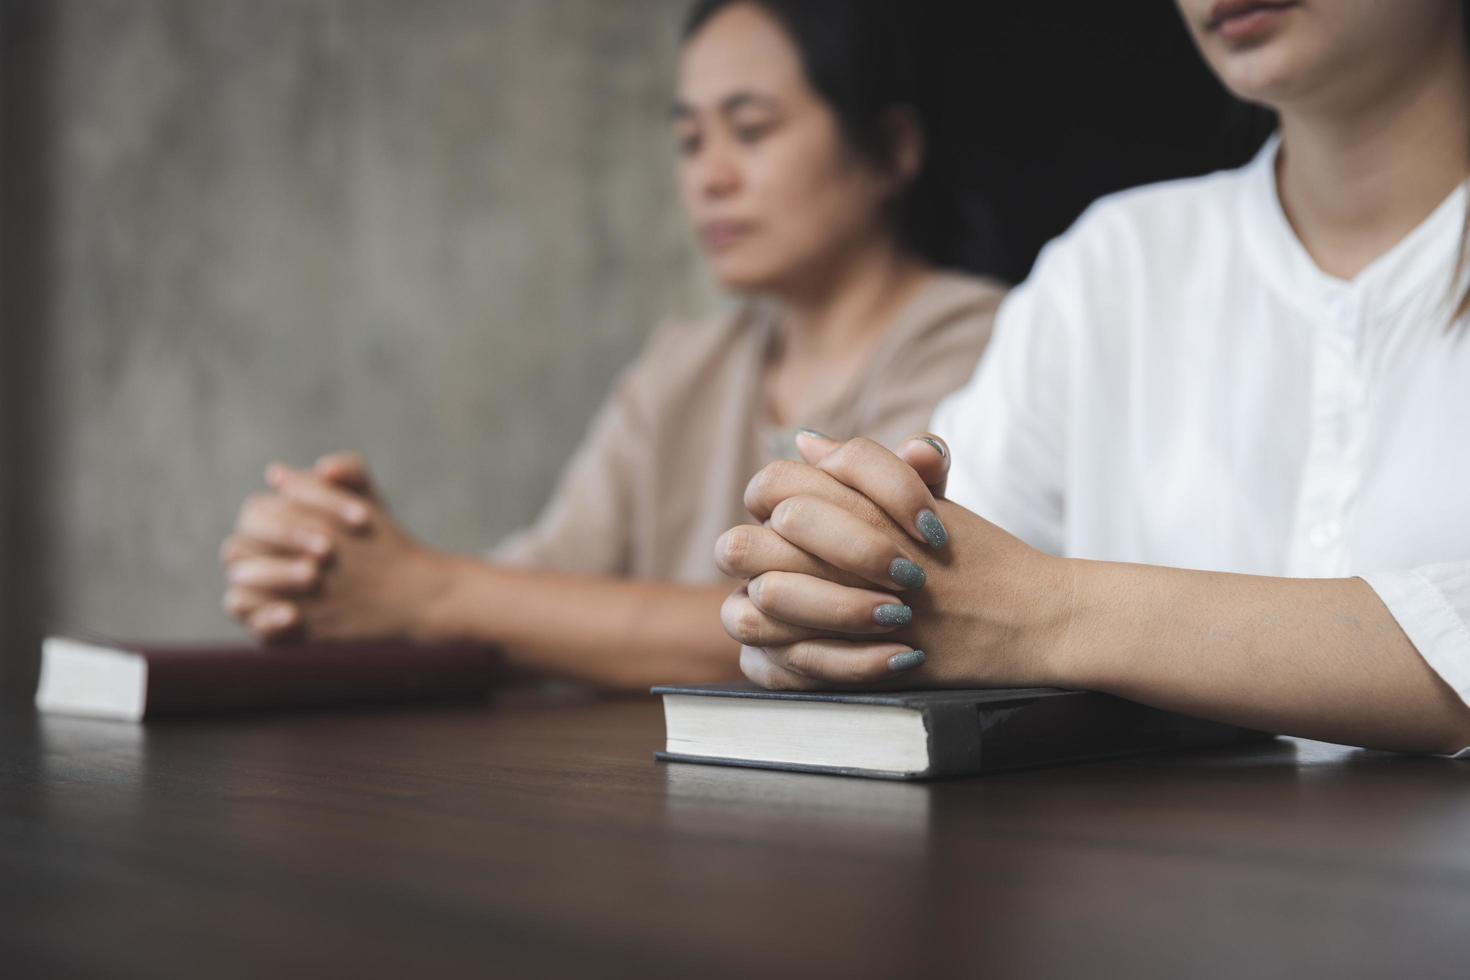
(1271, 73)
(740, 277)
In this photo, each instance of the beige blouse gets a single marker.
(662, 471)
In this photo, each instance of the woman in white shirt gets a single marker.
(1222, 433)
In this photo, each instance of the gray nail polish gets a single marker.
(932, 529)
(907, 574)
(907, 660)
(893, 614)
(938, 446)
(814, 434)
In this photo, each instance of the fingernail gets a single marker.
(932, 529)
(317, 543)
(815, 434)
(907, 660)
(303, 571)
(355, 513)
(274, 473)
(281, 615)
(893, 614)
(907, 574)
(938, 446)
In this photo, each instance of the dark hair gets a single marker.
(863, 58)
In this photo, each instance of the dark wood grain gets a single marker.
(537, 840)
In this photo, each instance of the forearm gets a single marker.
(617, 633)
(1321, 658)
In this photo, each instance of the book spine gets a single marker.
(955, 743)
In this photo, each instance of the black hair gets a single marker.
(864, 59)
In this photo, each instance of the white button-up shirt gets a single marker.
(1179, 384)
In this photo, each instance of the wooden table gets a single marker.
(540, 840)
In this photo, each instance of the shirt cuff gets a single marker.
(1432, 606)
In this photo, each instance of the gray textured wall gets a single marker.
(429, 230)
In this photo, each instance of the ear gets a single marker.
(907, 144)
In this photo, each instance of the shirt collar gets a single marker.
(1421, 264)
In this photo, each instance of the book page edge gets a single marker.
(60, 691)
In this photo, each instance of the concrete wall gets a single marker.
(431, 231)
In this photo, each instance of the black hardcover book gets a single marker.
(920, 734)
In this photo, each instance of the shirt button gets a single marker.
(1323, 534)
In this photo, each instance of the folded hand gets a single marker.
(862, 575)
(320, 556)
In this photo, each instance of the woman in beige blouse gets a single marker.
(813, 200)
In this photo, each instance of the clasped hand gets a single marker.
(318, 556)
(860, 575)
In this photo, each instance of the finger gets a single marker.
(834, 661)
(891, 483)
(815, 446)
(237, 546)
(816, 604)
(347, 470)
(272, 522)
(835, 536)
(313, 491)
(274, 620)
(239, 603)
(275, 575)
(765, 672)
(929, 456)
(260, 613)
(747, 625)
(926, 453)
(748, 550)
(784, 478)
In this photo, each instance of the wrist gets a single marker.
(429, 586)
(1051, 631)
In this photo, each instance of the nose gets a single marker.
(715, 175)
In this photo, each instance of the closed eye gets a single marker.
(687, 142)
(753, 133)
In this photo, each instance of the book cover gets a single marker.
(133, 681)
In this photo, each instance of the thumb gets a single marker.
(815, 446)
(348, 470)
(929, 456)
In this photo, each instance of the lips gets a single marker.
(718, 235)
(1239, 13)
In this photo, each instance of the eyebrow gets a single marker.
(730, 103)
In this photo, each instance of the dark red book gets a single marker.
(134, 681)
